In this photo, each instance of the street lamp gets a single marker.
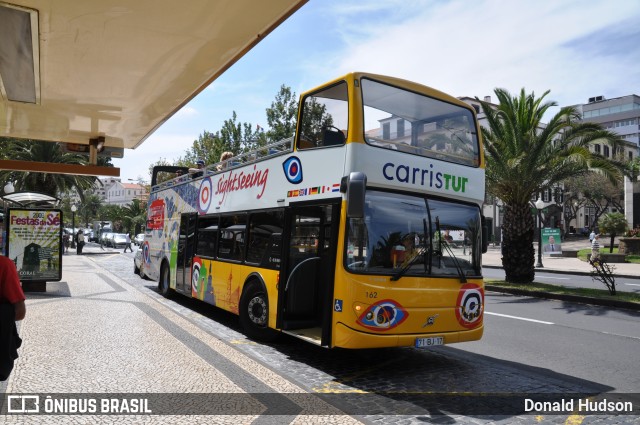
(539, 206)
(8, 188)
(73, 223)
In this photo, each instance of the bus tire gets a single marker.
(163, 284)
(254, 313)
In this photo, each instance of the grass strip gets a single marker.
(535, 287)
(582, 255)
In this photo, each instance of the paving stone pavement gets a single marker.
(104, 330)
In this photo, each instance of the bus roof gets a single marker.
(76, 71)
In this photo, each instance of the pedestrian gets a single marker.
(12, 308)
(79, 242)
(595, 247)
(128, 243)
(197, 172)
(66, 240)
(224, 160)
(592, 235)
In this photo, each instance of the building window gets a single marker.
(400, 124)
(386, 131)
(606, 151)
(596, 148)
(546, 195)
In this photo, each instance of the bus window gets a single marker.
(231, 237)
(207, 237)
(405, 121)
(390, 238)
(325, 118)
(262, 228)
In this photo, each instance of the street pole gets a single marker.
(539, 205)
(73, 223)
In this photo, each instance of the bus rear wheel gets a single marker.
(163, 284)
(254, 313)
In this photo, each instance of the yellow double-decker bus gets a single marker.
(363, 230)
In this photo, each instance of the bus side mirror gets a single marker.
(485, 235)
(355, 186)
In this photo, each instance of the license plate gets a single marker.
(429, 342)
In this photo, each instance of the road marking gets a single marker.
(553, 277)
(631, 284)
(519, 318)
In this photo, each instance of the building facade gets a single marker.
(620, 115)
(112, 191)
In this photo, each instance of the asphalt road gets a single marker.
(593, 343)
(529, 346)
(570, 280)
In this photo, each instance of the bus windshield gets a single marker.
(420, 236)
(405, 121)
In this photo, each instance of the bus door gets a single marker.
(186, 245)
(310, 250)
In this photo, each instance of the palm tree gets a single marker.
(39, 151)
(135, 215)
(615, 224)
(525, 157)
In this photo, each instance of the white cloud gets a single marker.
(461, 47)
(469, 48)
(136, 162)
(186, 111)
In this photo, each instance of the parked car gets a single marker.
(139, 239)
(118, 240)
(106, 238)
(137, 264)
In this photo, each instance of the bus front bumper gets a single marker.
(346, 337)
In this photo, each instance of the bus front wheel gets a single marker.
(254, 313)
(163, 285)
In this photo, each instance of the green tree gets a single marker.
(48, 183)
(208, 147)
(115, 214)
(89, 207)
(240, 137)
(598, 192)
(282, 114)
(524, 157)
(134, 216)
(614, 224)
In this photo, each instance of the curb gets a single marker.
(626, 276)
(565, 297)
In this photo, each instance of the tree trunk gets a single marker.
(518, 252)
(613, 236)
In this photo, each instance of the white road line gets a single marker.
(632, 284)
(519, 318)
(552, 277)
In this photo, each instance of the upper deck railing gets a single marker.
(259, 154)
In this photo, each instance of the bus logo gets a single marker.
(383, 315)
(156, 215)
(293, 170)
(470, 305)
(204, 195)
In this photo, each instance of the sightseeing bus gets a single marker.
(340, 235)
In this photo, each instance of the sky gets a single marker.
(576, 49)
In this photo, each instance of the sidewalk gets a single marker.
(556, 264)
(93, 248)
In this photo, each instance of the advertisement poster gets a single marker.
(34, 238)
(551, 243)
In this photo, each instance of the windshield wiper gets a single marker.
(456, 263)
(405, 268)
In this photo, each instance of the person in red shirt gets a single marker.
(10, 289)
